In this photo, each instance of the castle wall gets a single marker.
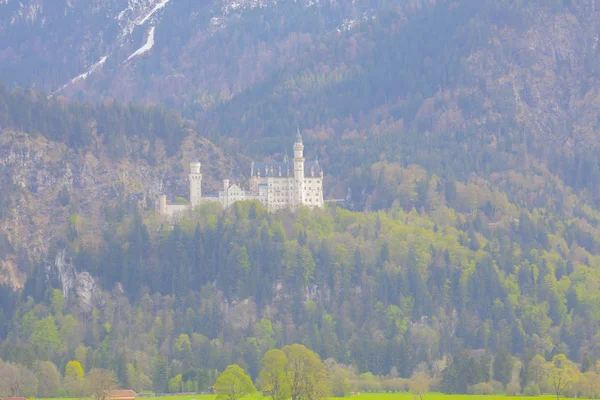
(312, 195)
(175, 209)
(277, 190)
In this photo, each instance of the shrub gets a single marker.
(394, 385)
(481, 388)
(513, 389)
(435, 385)
(498, 387)
(531, 390)
(367, 382)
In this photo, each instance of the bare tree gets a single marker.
(99, 380)
(419, 385)
(17, 380)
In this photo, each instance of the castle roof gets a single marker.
(234, 187)
(283, 169)
(273, 169)
(312, 166)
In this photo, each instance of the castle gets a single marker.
(276, 185)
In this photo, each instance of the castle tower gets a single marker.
(195, 183)
(299, 169)
(225, 199)
(162, 205)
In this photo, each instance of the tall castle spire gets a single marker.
(298, 135)
(299, 169)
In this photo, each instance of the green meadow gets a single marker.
(368, 396)
(437, 396)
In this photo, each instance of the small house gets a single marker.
(118, 395)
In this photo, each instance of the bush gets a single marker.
(340, 383)
(435, 385)
(367, 382)
(532, 390)
(498, 387)
(513, 389)
(394, 385)
(481, 388)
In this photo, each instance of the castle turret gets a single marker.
(162, 205)
(299, 169)
(225, 200)
(195, 183)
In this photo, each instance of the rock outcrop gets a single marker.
(49, 189)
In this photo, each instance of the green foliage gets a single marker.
(503, 366)
(49, 379)
(562, 374)
(482, 388)
(233, 383)
(176, 384)
(531, 390)
(340, 383)
(73, 382)
(74, 370)
(305, 373)
(273, 378)
(160, 370)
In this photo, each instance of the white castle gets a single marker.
(276, 185)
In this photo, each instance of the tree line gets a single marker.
(81, 125)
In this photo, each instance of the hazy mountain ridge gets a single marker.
(199, 50)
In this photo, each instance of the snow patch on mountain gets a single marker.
(146, 47)
(83, 76)
(90, 70)
(155, 9)
(350, 24)
(236, 5)
(27, 12)
(137, 13)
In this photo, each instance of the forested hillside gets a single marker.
(463, 136)
(389, 292)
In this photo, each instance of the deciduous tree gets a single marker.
(562, 373)
(74, 379)
(272, 376)
(48, 379)
(17, 380)
(305, 373)
(233, 384)
(419, 385)
(340, 382)
(99, 380)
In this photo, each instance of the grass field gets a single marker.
(438, 396)
(367, 396)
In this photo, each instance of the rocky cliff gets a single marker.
(49, 189)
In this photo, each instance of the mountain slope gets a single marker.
(462, 133)
(508, 84)
(214, 47)
(76, 164)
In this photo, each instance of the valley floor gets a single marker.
(368, 396)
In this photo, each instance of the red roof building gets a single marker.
(118, 395)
